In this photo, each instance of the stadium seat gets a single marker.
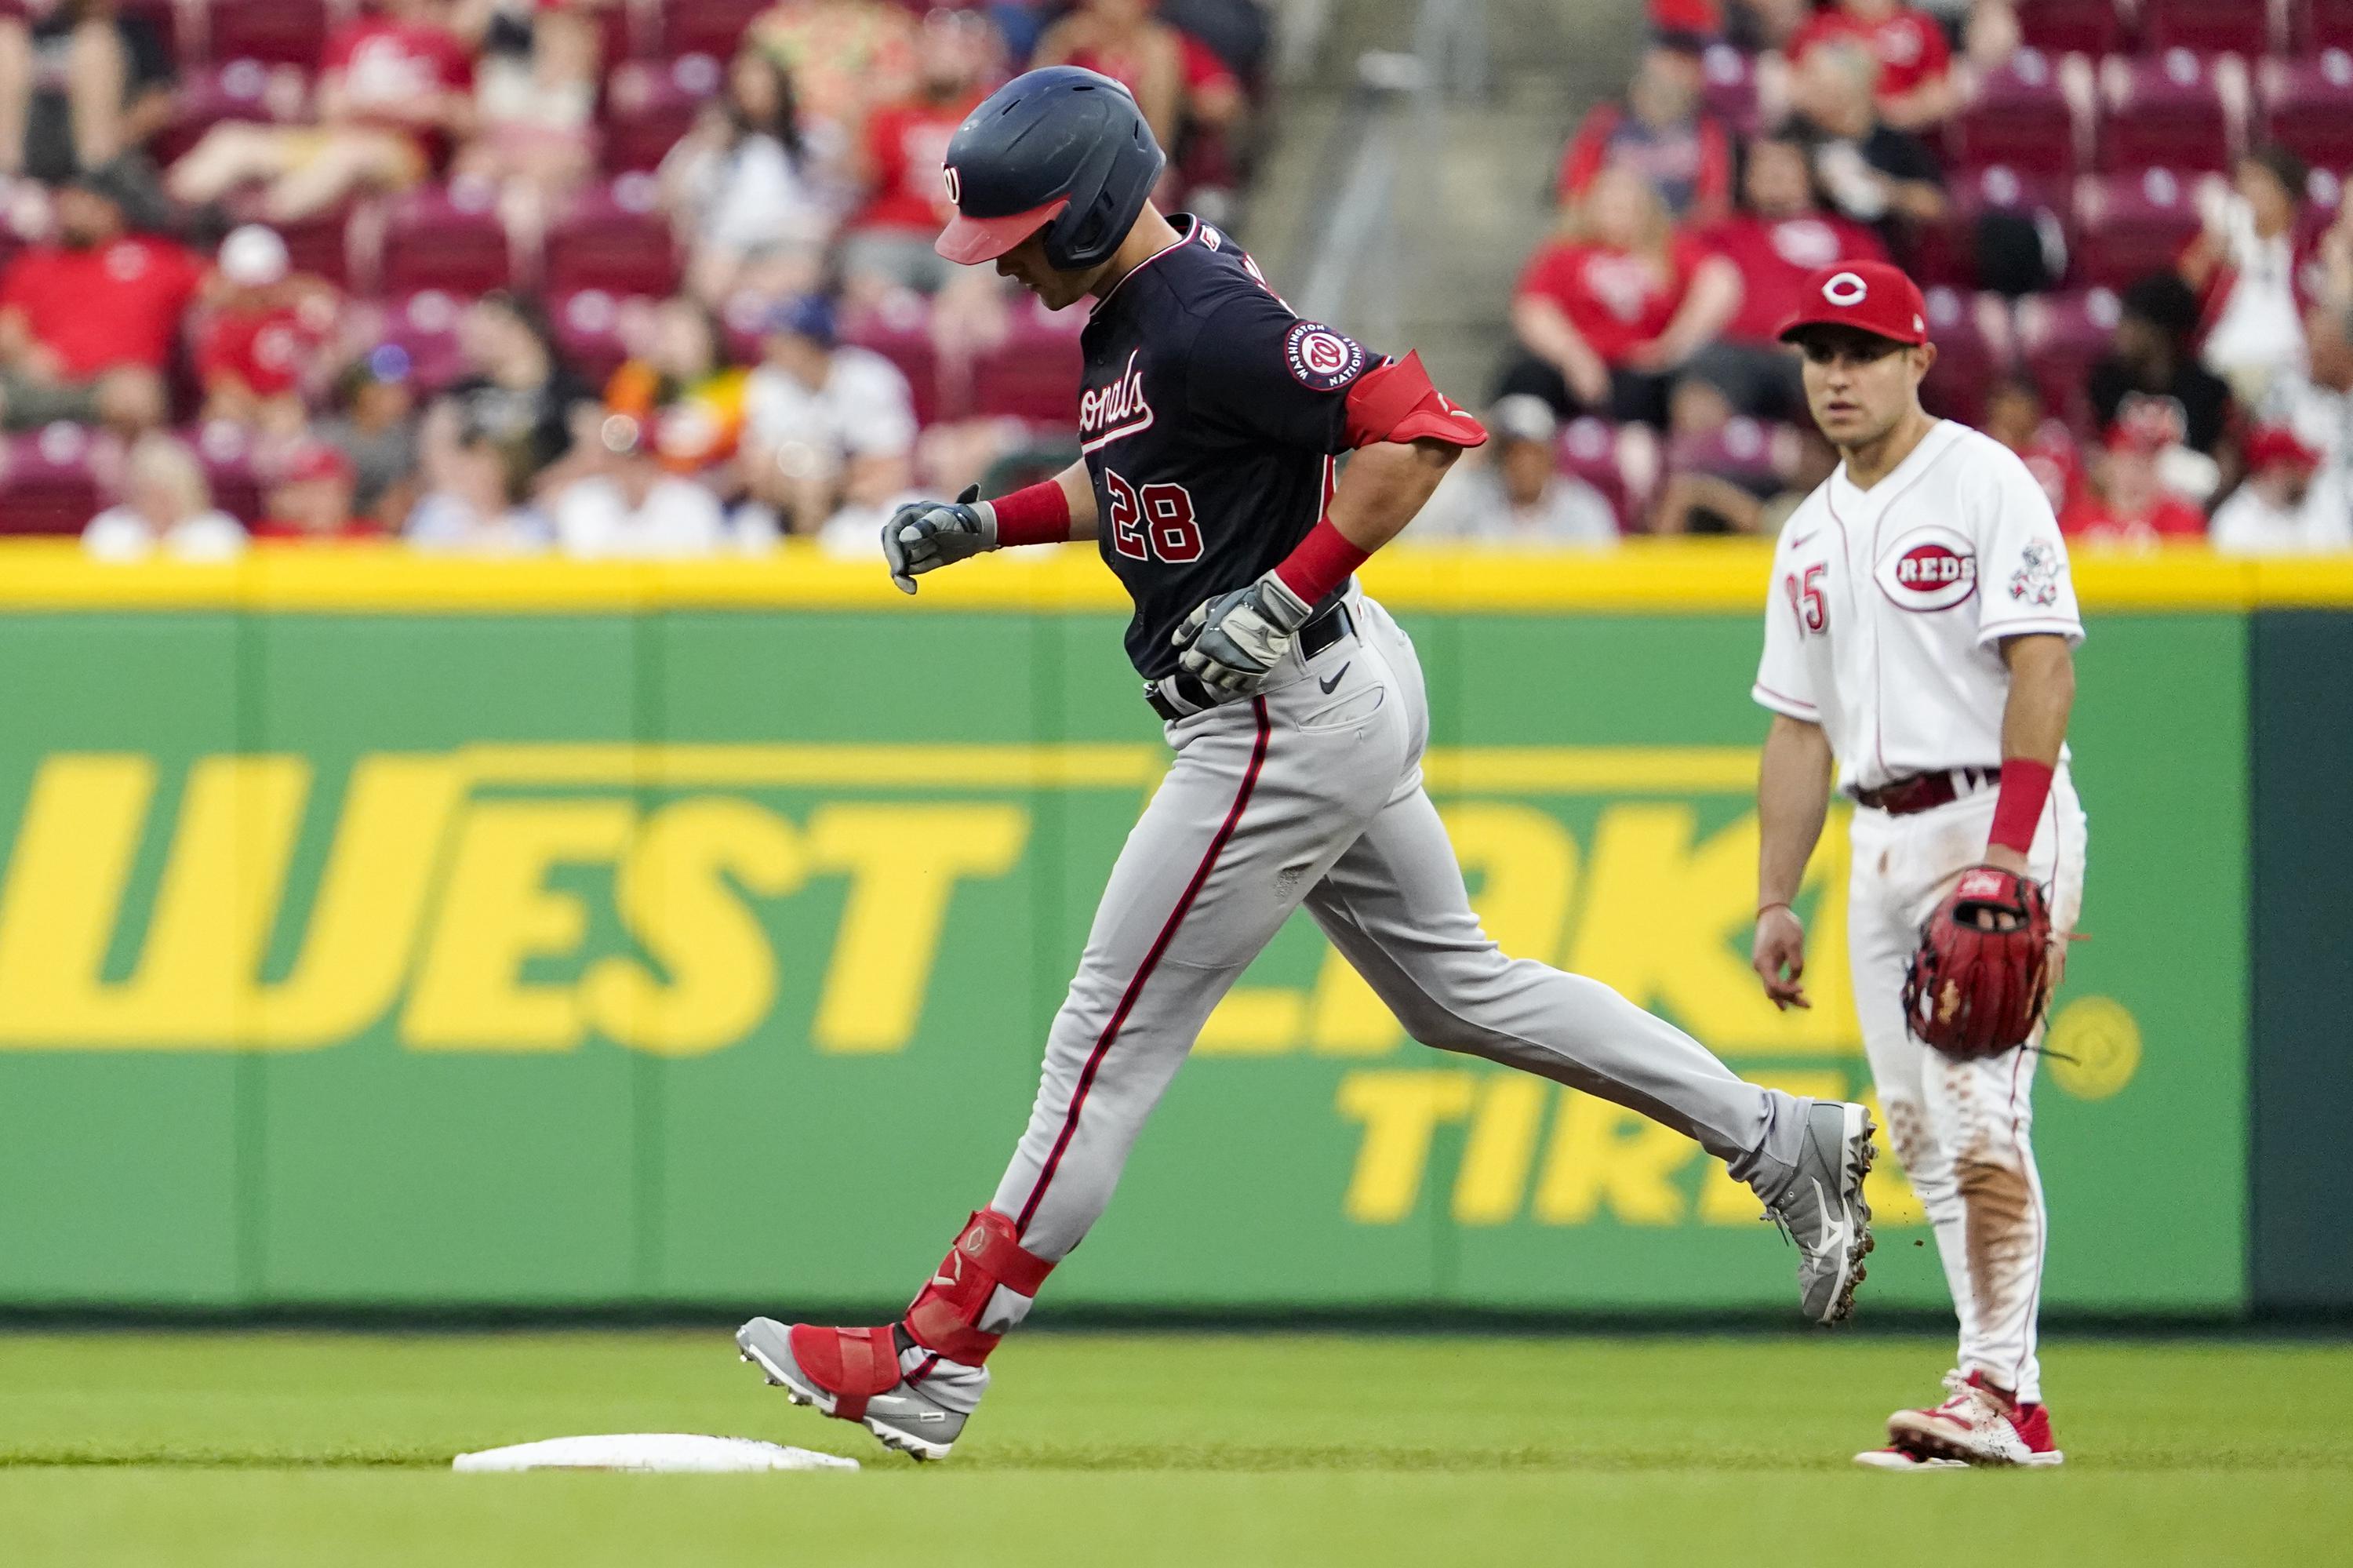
(2208, 26)
(2132, 225)
(241, 89)
(2309, 108)
(2071, 26)
(47, 483)
(2020, 115)
(1729, 88)
(275, 32)
(1588, 449)
(2059, 338)
(449, 237)
(425, 327)
(591, 329)
(2178, 112)
(1034, 373)
(710, 27)
(1972, 348)
(648, 106)
(1749, 453)
(1949, 255)
(2315, 24)
(613, 237)
(901, 333)
(318, 246)
(225, 450)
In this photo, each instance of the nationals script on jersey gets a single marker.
(1889, 605)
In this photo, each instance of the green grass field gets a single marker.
(329, 1450)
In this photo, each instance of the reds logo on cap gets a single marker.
(1869, 296)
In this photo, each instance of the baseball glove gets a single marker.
(1976, 985)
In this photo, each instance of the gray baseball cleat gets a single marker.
(852, 1374)
(1824, 1209)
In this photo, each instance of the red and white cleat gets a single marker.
(1978, 1425)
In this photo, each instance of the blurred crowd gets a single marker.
(2126, 213)
(608, 277)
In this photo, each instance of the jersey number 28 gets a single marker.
(1805, 598)
(1154, 521)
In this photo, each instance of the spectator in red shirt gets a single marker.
(1916, 88)
(2016, 416)
(396, 91)
(2130, 508)
(87, 324)
(1124, 39)
(258, 333)
(311, 502)
(1660, 131)
(888, 241)
(1781, 235)
(1607, 314)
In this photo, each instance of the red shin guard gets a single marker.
(946, 1317)
(852, 1364)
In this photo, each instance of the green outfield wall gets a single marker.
(373, 934)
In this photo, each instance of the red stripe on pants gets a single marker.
(1218, 842)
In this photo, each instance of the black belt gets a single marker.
(1926, 791)
(1191, 697)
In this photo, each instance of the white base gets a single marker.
(650, 1453)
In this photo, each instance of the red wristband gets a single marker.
(1321, 563)
(2025, 785)
(1037, 515)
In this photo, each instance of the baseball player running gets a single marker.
(1211, 421)
(1921, 631)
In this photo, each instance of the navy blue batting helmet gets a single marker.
(1062, 149)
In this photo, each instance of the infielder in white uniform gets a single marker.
(1921, 632)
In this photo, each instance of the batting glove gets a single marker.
(924, 535)
(1232, 642)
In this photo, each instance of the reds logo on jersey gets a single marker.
(1107, 413)
(1932, 567)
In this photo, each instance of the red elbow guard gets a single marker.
(1394, 401)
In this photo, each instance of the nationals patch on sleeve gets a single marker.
(1321, 358)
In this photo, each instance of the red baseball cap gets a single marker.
(2270, 444)
(1869, 296)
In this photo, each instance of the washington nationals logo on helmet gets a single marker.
(1929, 568)
(955, 182)
(1322, 358)
(1845, 288)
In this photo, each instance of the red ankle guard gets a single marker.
(852, 1364)
(945, 1316)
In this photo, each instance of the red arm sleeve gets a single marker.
(1396, 402)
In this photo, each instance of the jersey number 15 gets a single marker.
(1156, 521)
(1805, 598)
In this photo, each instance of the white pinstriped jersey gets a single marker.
(1889, 604)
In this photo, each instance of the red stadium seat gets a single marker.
(319, 246)
(241, 89)
(2059, 337)
(1729, 88)
(425, 327)
(1588, 449)
(901, 333)
(2132, 225)
(1971, 351)
(591, 329)
(1949, 256)
(2315, 24)
(225, 450)
(2208, 26)
(2179, 111)
(2309, 108)
(1749, 453)
(712, 28)
(47, 483)
(2072, 26)
(2020, 115)
(449, 237)
(1034, 373)
(650, 106)
(614, 237)
(275, 32)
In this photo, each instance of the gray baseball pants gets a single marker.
(1312, 792)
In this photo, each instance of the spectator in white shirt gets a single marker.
(740, 188)
(2277, 510)
(1518, 496)
(167, 508)
(825, 424)
(2317, 408)
(470, 508)
(2257, 333)
(630, 507)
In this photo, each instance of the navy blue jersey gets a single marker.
(1210, 418)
